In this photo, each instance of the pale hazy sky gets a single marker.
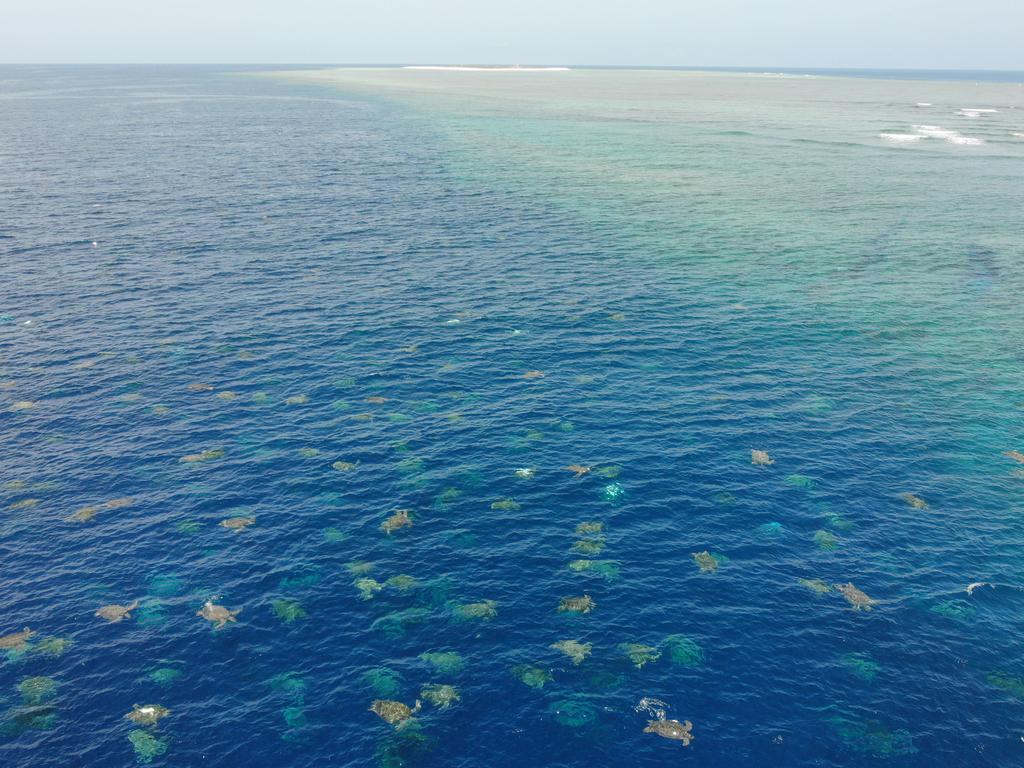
(968, 34)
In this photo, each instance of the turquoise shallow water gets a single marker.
(371, 267)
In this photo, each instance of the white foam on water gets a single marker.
(1019, 135)
(901, 138)
(947, 134)
(923, 104)
(972, 112)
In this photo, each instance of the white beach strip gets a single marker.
(489, 69)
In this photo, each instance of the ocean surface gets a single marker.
(302, 301)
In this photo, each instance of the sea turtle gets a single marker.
(344, 466)
(23, 405)
(584, 604)
(441, 696)
(238, 524)
(815, 585)
(199, 387)
(84, 515)
(533, 375)
(217, 614)
(394, 712)
(400, 519)
(525, 472)
(148, 714)
(115, 613)
(856, 598)
(705, 561)
(15, 639)
(574, 649)
(226, 395)
(589, 526)
(760, 458)
(124, 501)
(375, 400)
(915, 501)
(207, 455)
(297, 400)
(578, 469)
(1015, 455)
(671, 729)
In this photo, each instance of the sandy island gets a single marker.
(490, 69)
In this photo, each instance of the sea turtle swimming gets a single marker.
(297, 400)
(578, 469)
(375, 400)
(394, 712)
(238, 524)
(207, 455)
(760, 458)
(217, 614)
(148, 714)
(915, 501)
(84, 515)
(23, 405)
(574, 649)
(856, 598)
(705, 561)
(525, 472)
(199, 387)
(815, 585)
(15, 639)
(24, 504)
(400, 519)
(115, 613)
(533, 375)
(124, 501)
(344, 466)
(1015, 455)
(441, 696)
(589, 526)
(583, 604)
(671, 729)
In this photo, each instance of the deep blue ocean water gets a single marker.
(286, 273)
